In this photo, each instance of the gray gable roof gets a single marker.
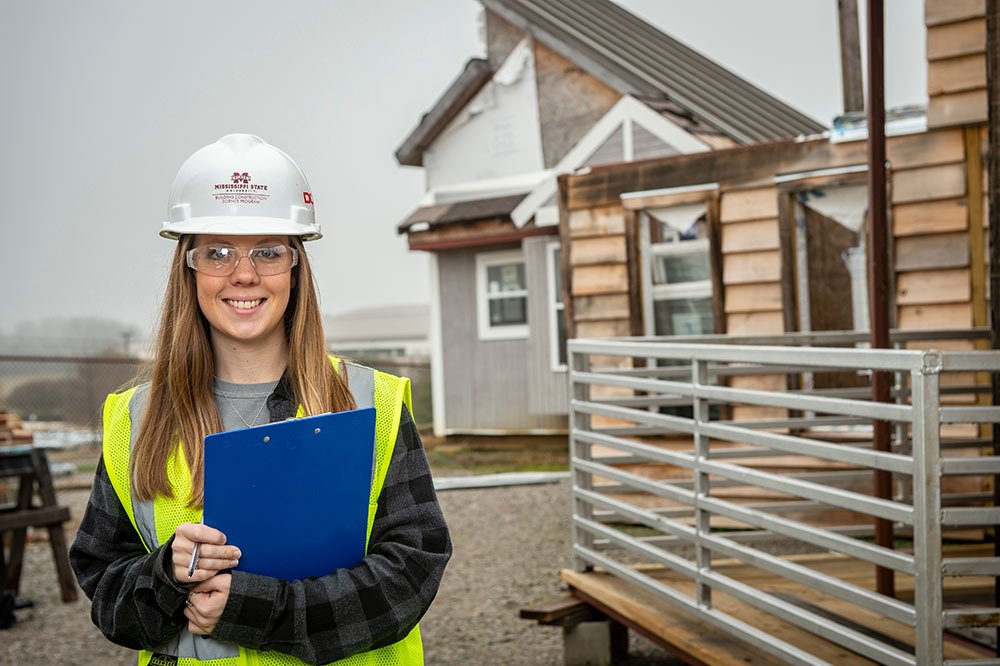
(635, 58)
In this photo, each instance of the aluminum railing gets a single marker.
(654, 445)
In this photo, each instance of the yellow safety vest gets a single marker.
(157, 521)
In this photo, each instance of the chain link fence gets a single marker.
(70, 390)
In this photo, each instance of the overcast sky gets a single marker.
(103, 100)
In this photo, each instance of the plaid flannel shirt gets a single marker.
(138, 604)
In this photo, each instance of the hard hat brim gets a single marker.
(240, 226)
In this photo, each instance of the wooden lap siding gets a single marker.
(931, 262)
(751, 273)
(956, 62)
(600, 287)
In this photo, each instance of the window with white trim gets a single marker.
(557, 322)
(502, 295)
(678, 277)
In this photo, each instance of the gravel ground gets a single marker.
(509, 546)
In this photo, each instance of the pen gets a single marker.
(194, 558)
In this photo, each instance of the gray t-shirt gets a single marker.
(242, 405)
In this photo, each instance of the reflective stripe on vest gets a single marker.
(156, 521)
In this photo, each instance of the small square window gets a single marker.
(502, 295)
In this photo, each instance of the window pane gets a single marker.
(674, 269)
(505, 277)
(508, 311)
(684, 316)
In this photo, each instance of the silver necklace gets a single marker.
(259, 411)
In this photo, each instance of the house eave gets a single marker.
(474, 76)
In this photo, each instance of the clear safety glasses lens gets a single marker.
(222, 260)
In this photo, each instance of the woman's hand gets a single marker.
(213, 556)
(206, 602)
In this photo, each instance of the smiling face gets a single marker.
(244, 308)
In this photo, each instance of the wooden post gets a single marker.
(850, 56)
(993, 166)
(565, 250)
(878, 273)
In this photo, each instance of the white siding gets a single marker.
(496, 135)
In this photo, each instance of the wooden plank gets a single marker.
(955, 39)
(787, 207)
(753, 413)
(742, 164)
(759, 382)
(674, 630)
(947, 286)
(938, 12)
(753, 297)
(928, 183)
(497, 226)
(750, 236)
(599, 221)
(553, 610)
(37, 517)
(600, 250)
(610, 306)
(962, 108)
(715, 263)
(752, 323)
(613, 328)
(662, 200)
(925, 149)
(941, 345)
(931, 317)
(957, 74)
(565, 257)
(600, 279)
(916, 253)
(977, 240)
(738, 205)
(634, 267)
(929, 217)
(751, 267)
(601, 362)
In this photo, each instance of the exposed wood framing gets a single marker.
(977, 240)
(786, 233)
(634, 264)
(565, 252)
(713, 217)
(604, 185)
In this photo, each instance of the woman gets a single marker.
(241, 344)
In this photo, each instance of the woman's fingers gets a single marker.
(195, 621)
(212, 564)
(213, 555)
(199, 533)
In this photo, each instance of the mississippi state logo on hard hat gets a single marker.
(241, 177)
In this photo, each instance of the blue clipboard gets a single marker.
(293, 496)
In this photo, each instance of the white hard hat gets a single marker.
(240, 185)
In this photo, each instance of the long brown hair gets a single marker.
(181, 409)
